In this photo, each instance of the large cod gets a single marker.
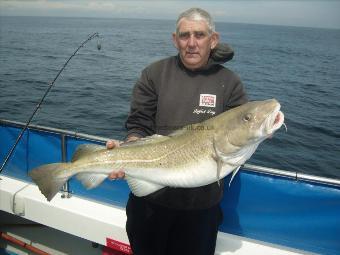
(196, 155)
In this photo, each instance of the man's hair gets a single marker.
(196, 14)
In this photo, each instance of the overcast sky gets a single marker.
(310, 13)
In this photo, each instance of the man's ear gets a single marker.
(174, 40)
(215, 38)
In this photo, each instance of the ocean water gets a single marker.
(298, 66)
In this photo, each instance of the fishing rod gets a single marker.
(51, 84)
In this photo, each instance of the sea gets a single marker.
(298, 66)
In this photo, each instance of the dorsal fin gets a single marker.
(178, 132)
(84, 150)
(146, 140)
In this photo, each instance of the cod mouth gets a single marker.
(275, 121)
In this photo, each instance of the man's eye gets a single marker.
(196, 34)
(199, 35)
(184, 35)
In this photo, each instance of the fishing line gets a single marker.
(51, 84)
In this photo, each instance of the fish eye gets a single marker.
(247, 117)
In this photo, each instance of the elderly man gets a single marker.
(171, 93)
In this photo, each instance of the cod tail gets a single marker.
(50, 178)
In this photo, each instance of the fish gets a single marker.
(195, 155)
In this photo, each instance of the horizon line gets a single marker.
(167, 19)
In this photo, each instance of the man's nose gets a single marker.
(192, 41)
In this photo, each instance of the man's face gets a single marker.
(194, 42)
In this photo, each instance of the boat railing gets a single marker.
(248, 167)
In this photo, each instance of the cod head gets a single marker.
(240, 130)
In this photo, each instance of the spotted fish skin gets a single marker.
(193, 156)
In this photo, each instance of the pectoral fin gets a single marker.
(219, 168)
(219, 163)
(234, 174)
(233, 160)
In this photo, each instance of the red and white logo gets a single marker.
(118, 246)
(207, 100)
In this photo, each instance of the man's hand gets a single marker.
(111, 144)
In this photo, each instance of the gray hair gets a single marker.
(196, 14)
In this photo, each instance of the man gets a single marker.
(171, 93)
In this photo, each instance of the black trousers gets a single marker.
(157, 230)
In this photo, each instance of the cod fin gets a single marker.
(86, 149)
(234, 174)
(219, 163)
(91, 180)
(146, 140)
(219, 168)
(142, 188)
(50, 178)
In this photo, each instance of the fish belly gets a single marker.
(143, 181)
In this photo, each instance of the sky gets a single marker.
(307, 13)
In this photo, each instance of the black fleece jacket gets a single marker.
(169, 96)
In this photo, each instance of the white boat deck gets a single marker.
(77, 222)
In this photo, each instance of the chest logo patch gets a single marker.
(207, 100)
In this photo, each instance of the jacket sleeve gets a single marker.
(237, 96)
(141, 119)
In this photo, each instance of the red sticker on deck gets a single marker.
(119, 246)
